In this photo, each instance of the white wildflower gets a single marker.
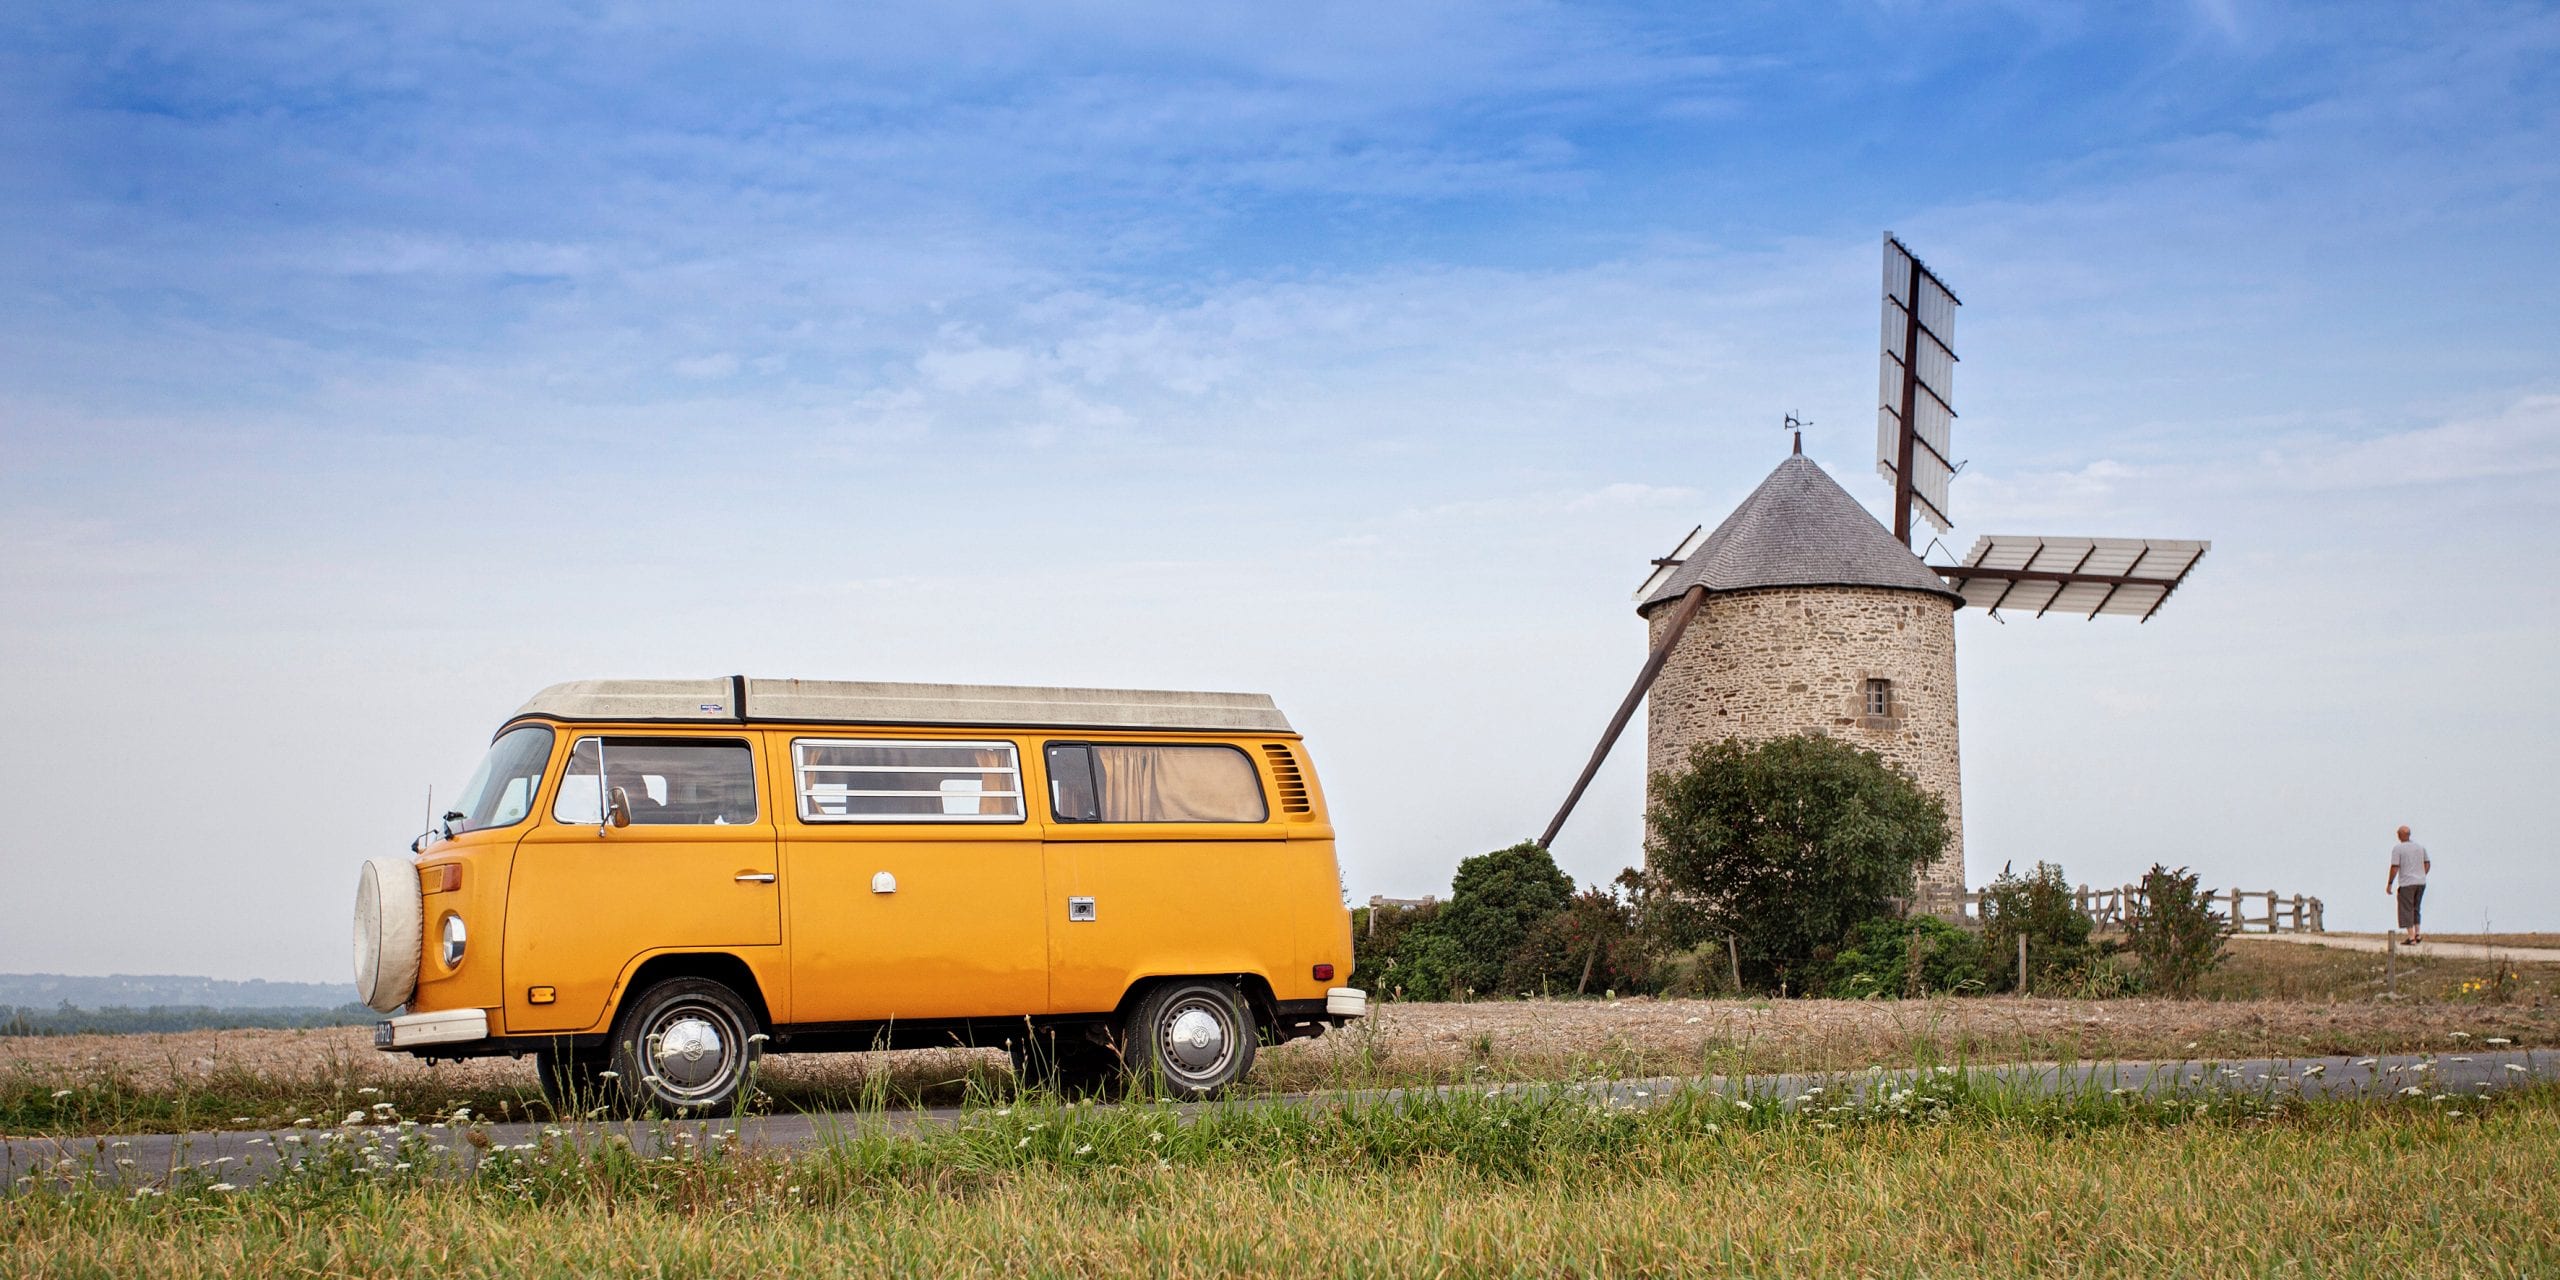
(368, 1089)
(1085, 1149)
(2498, 1040)
(2516, 1067)
(222, 1186)
(61, 1094)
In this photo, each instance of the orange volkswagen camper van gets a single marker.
(649, 883)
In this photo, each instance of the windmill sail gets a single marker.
(1915, 413)
(2118, 577)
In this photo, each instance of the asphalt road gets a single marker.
(241, 1158)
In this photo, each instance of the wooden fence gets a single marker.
(2249, 910)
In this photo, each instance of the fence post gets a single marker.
(2390, 964)
(1733, 954)
(2022, 966)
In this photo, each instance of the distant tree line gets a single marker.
(67, 1020)
(1781, 867)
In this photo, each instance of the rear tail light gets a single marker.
(1324, 973)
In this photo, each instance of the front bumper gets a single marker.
(1346, 1002)
(416, 1030)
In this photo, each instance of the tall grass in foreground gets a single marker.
(1947, 1178)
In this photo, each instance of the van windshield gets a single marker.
(500, 793)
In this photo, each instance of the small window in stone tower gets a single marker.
(1879, 697)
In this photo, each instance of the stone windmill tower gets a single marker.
(1803, 613)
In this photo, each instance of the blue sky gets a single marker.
(361, 372)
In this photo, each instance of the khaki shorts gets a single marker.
(2409, 895)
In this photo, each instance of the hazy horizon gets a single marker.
(363, 372)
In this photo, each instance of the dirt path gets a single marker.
(1519, 1039)
(2378, 943)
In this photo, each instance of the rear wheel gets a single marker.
(1195, 1035)
(684, 1048)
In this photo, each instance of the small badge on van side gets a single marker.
(711, 708)
(1079, 909)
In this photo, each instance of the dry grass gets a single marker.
(2071, 1188)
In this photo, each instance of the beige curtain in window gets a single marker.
(1178, 784)
(1000, 806)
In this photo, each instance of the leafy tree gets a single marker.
(1495, 901)
(1917, 956)
(2174, 931)
(2039, 906)
(1786, 844)
(1589, 946)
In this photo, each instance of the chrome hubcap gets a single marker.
(690, 1052)
(1196, 1041)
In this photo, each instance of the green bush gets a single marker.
(1785, 845)
(1919, 956)
(1430, 965)
(2060, 957)
(2174, 931)
(1387, 944)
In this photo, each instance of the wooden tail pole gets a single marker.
(1617, 724)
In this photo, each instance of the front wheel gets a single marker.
(1195, 1035)
(573, 1080)
(684, 1048)
(1067, 1063)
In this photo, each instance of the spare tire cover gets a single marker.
(390, 930)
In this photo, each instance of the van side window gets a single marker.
(1112, 782)
(877, 780)
(668, 783)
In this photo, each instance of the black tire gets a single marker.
(1067, 1062)
(684, 1047)
(1190, 1038)
(573, 1079)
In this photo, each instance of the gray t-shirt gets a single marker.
(2411, 858)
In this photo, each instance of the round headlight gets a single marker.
(455, 937)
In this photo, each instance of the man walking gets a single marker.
(2409, 865)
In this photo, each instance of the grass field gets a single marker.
(1950, 1180)
(2274, 999)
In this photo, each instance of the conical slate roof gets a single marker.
(1800, 529)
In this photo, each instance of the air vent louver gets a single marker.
(1292, 782)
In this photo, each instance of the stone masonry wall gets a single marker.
(1764, 664)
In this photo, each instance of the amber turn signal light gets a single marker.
(1324, 973)
(541, 995)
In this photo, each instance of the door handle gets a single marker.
(754, 877)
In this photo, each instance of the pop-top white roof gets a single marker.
(883, 702)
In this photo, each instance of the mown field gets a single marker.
(2272, 999)
(1947, 1179)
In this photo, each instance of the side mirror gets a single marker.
(617, 807)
